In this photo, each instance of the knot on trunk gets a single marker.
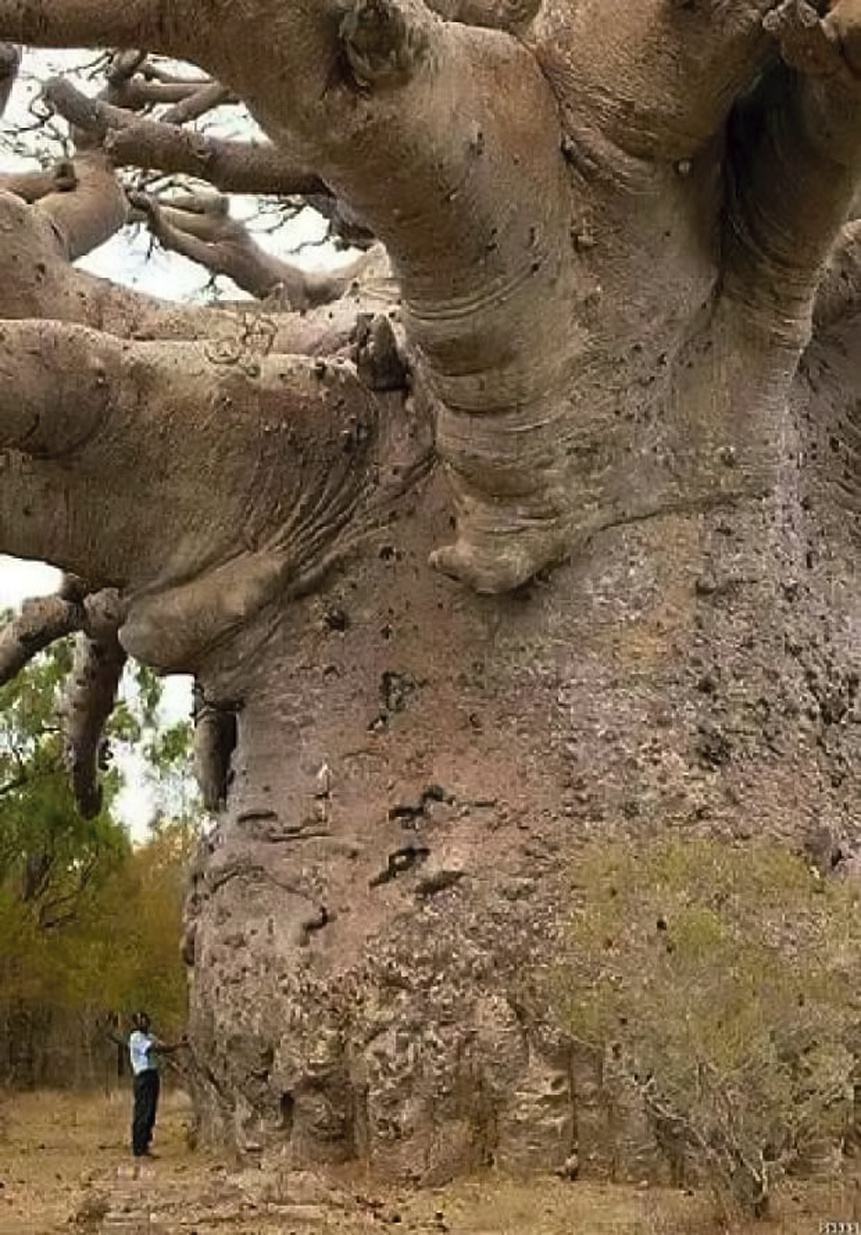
(384, 41)
(380, 360)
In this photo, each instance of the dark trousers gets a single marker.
(146, 1087)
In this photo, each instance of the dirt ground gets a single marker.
(64, 1166)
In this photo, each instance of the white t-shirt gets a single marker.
(140, 1046)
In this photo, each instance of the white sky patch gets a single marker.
(18, 580)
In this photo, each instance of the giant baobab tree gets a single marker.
(540, 522)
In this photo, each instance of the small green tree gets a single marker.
(51, 859)
(137, 962)
(89, 922)
(725, 978)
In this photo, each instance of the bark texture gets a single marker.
(604, 376)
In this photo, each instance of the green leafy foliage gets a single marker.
(725, 979)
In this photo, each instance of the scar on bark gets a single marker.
(383, 41)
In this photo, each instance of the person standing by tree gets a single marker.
(143, 1049)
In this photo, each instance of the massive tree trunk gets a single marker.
(608, 230)
(416, 767)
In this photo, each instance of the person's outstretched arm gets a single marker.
(166, 1048)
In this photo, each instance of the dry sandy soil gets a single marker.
(64, 1166)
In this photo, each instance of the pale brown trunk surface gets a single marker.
(417, 768)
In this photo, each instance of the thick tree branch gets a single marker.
(795, 156)
(36, 281)
(90, 696)
(445, 139)
(201, 100)
(98, 23)
(32, 186)
(657, 78)
(40, 623)
(153, 71)
(122, 66)
(102, 433)
(96, 671)
(84, 218)
(136, 92)
(55, 392)
(125, 313)
(232, 167)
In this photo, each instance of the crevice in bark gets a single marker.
(409, 815)
(399, 863)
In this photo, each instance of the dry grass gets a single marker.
(55, 1146)
(58, 1149)
(547, 1207)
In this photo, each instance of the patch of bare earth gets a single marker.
(65, 1166)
